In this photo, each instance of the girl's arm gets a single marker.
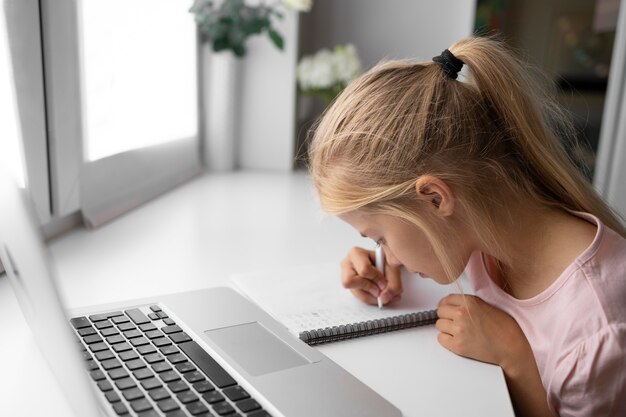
(472, 328)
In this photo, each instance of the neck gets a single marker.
(540, 244)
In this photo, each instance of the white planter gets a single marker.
(222, 75)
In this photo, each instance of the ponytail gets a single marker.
(538, 123)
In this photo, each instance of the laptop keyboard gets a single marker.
(145, 365)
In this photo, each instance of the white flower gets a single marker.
(316, 71)
(328, 69)
(299, 5)
(346, 64)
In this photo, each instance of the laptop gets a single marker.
(209, 352)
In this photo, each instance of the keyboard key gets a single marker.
(180, 337)
(235, 393)
(141, 405)
(104, 316)
(153, 357)
(126, 327)
(170, 350)
(171, 329)
(87, 331)
(129, 334)
(105, 385)
(147, 327)
(152, 413)
(180, 413)
(132, 394)
(185, 367)
(213, 397)
(104, 355)
(169, 322)
(128, 355)
(118, 338)
(122, 347)
(161, 341)
(147, 349)
(137, 316)
(86, 355)
(168, 405)
(223, 408)
(125, 383)
(161, 367)
(98, 317)
(118, 373)
(194, 376)
(259, 413)
(91, 365)
(178, 386)
(103, 324)
(97, 375)
(186, 397)
(169, 376)
(247, 405)
(134, 364)
(97, 347)
(158, 394)
(120, 409)
(143, 373)
(207, 364)
(155, 308)
(196, 408)
(111, 331)
(139, 341)
(80, 322)
(162, 315)
(177, 358)
(203, 386)
(154, 334)
(151, 383)
(112, 396)
(120, 320)
(153, 316)
(91, 339)
(111, 364)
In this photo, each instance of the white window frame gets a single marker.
(24, 35)
(108, 187)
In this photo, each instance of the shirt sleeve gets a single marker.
(591, 379)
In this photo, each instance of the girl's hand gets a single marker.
(360, 276)
(472, 328)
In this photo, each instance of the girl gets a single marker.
(450, 175)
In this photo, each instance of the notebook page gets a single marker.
(311, 297)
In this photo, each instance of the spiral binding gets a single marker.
(366, 328)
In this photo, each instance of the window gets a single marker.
(10, 131)
(122, 100)
(139, 72)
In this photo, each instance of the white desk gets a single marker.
(196, 237)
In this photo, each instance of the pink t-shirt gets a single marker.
(576, 327)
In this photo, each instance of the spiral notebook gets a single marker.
(313, 305)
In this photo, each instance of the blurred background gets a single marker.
(108, 104)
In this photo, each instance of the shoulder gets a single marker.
(590, 379)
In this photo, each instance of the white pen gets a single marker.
(380, 265)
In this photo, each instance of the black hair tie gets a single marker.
(450, 64)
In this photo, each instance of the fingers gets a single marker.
(393, 290)
(358, 273)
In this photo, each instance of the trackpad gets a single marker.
(255, 348)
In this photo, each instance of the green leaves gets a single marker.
(276, 38)
(228, 26)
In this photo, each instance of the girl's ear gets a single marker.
(436, 193)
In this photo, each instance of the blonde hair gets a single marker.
(494, 137)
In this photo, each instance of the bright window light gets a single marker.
(139, 74)
(11, 158)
